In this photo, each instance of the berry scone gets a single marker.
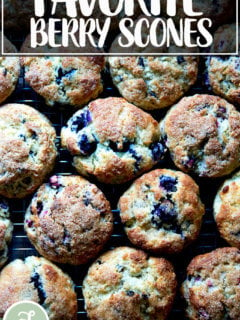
(112, 140)
(227, 210)
(127, 284)
(65, 80)
(69, 220)
(153, 82)
(202, 133)
(27, 149)
(9, 70)
(6, 229)
(223, 71)
(162, 211)
(38, 280)
(212, 289)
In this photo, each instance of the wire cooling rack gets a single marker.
(21, 247)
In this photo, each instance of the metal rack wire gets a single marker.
(21, 247)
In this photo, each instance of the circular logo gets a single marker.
(25, 310)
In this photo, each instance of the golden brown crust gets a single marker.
(69, 220)
(126, 283)
(227, 210)
(212, 287)
(116, 143)
(27, 151)
(38, 280)
(202, 133)
(162, 211)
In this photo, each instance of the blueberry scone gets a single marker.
(202, 133)
(6, 228)
(9, 70)
(212, 288)
(162, 211)
(27, 149)
(227, 210)
(223, 72)
(127, 284)
(153, 82)
(65, 80)
(112, 140)
(69, 220)
(38, 280)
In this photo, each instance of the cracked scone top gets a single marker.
(202, 133)
(227, 210)
(69, 220)
(38, 280)
(27, 149)
(65, 80)
(212, 289)
(223, 72)
(162, 211)
(127, 284)
(153, 82)
(112, 140)
(6, 228)
(9, 71)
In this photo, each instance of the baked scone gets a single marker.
(6, 228)
(202, 133)
(223, 72)
(212, 288)
(112, 140)
(27, 149)
(162, 211)
(38, 280)
(227, 210)
(69, 220)
(9, 70)
(127, 284)
(153, 82)
(65, 80)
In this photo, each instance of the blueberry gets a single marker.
(136, 157)
(152, 94)
(5, 72)
(87, 147)
(203, 314)
(22, 137)
(67, 239)
(3, 204)
(130, 293)
(168, 183)
(34, 135)
(39, 207)
(141, 62)
(180, 59)
(115, 146)
(35, 279)
(165, 216)
(29, 223)
(157, 151)
(221, 113)
(81, 121)
(64, 74)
